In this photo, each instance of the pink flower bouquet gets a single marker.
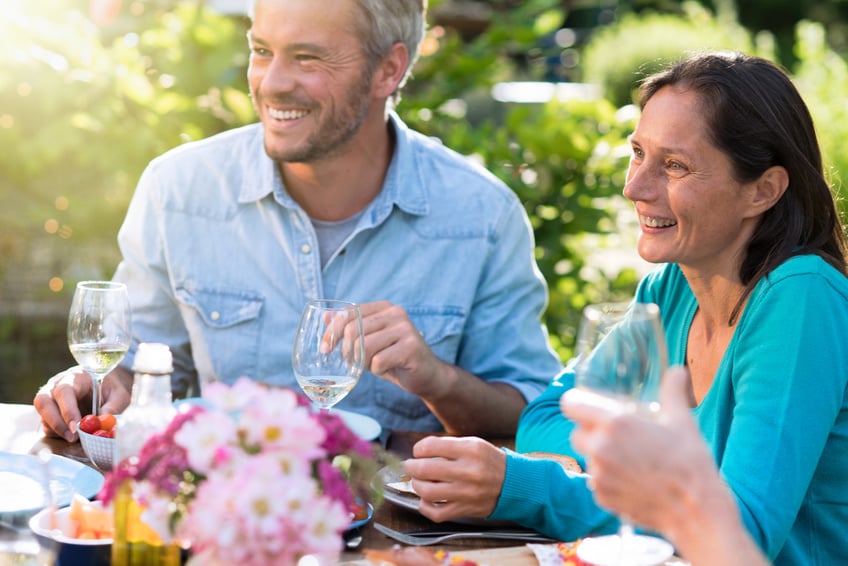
(251, 476)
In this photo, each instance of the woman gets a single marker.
(727, 179)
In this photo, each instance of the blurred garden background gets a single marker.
(540, 91)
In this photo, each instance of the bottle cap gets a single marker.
(152, 357)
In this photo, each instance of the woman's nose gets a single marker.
(638, 183)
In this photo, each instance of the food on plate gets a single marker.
(359, 512)
(567, 462)
(415, 556)
(89, 520)
(402, 485)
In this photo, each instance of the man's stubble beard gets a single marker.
(330, 139)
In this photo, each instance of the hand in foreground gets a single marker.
(658, 471)
(456, 476)
(66, 397)
(641, 465)
(395, 350)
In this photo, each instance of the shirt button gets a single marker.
(215, 315)
(305, 248)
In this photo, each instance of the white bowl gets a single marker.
(99, 449)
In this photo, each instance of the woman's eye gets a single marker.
(637, 152)
(261, 51)
(676, 168)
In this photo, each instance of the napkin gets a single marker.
(558, 554)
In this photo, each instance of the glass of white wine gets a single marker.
(329, 350)
(99, 330)
(621, 354)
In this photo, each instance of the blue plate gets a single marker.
(21, 493)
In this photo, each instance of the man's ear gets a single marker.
(390, 71)
(768, 189)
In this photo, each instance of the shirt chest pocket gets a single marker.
(441, 328)
(225, 327)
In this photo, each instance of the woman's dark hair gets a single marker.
(757, 118)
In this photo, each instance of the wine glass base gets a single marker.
(640, 550)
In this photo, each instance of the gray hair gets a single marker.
(383, 23)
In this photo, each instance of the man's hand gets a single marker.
(66, 397)
(396, 351)
(456, 476)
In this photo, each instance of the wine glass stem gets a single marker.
(95, 395)
(626, 539)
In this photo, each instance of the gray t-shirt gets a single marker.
(331, 235)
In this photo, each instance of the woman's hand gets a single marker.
(456, 476)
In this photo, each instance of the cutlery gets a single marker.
(424, 540)
(352, 538)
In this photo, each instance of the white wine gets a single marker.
(326, 390)
(98, 358)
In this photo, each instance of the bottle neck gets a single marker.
(151, 388)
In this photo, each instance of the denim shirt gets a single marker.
(219, 261)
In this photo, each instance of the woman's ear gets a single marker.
(768, 189)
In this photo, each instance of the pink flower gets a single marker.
(254, 477)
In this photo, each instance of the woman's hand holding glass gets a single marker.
(329, 351)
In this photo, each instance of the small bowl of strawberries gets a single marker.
(97, 436)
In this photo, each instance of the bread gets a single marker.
(567, 462)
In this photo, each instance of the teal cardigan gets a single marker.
(776, 418)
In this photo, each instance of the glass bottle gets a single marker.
(149, 412)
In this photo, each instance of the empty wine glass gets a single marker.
(622, 354)
(99, 330)
(329, 350)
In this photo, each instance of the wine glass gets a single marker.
(329, 350)
(99, 330)
(622, 354)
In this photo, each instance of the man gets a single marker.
(332, 196)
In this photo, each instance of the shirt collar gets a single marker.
(403, 186)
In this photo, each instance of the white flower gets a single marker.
(276, 422)
(207, 439)
(232, 399)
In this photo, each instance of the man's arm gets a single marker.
(396, 351)
(468, 405)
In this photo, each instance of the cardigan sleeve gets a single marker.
(542, 495)
(770, 427)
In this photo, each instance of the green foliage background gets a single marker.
(83, 108)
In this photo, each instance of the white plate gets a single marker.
(409, 500)
(641, 550)
(362, 425)
(21, 493)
